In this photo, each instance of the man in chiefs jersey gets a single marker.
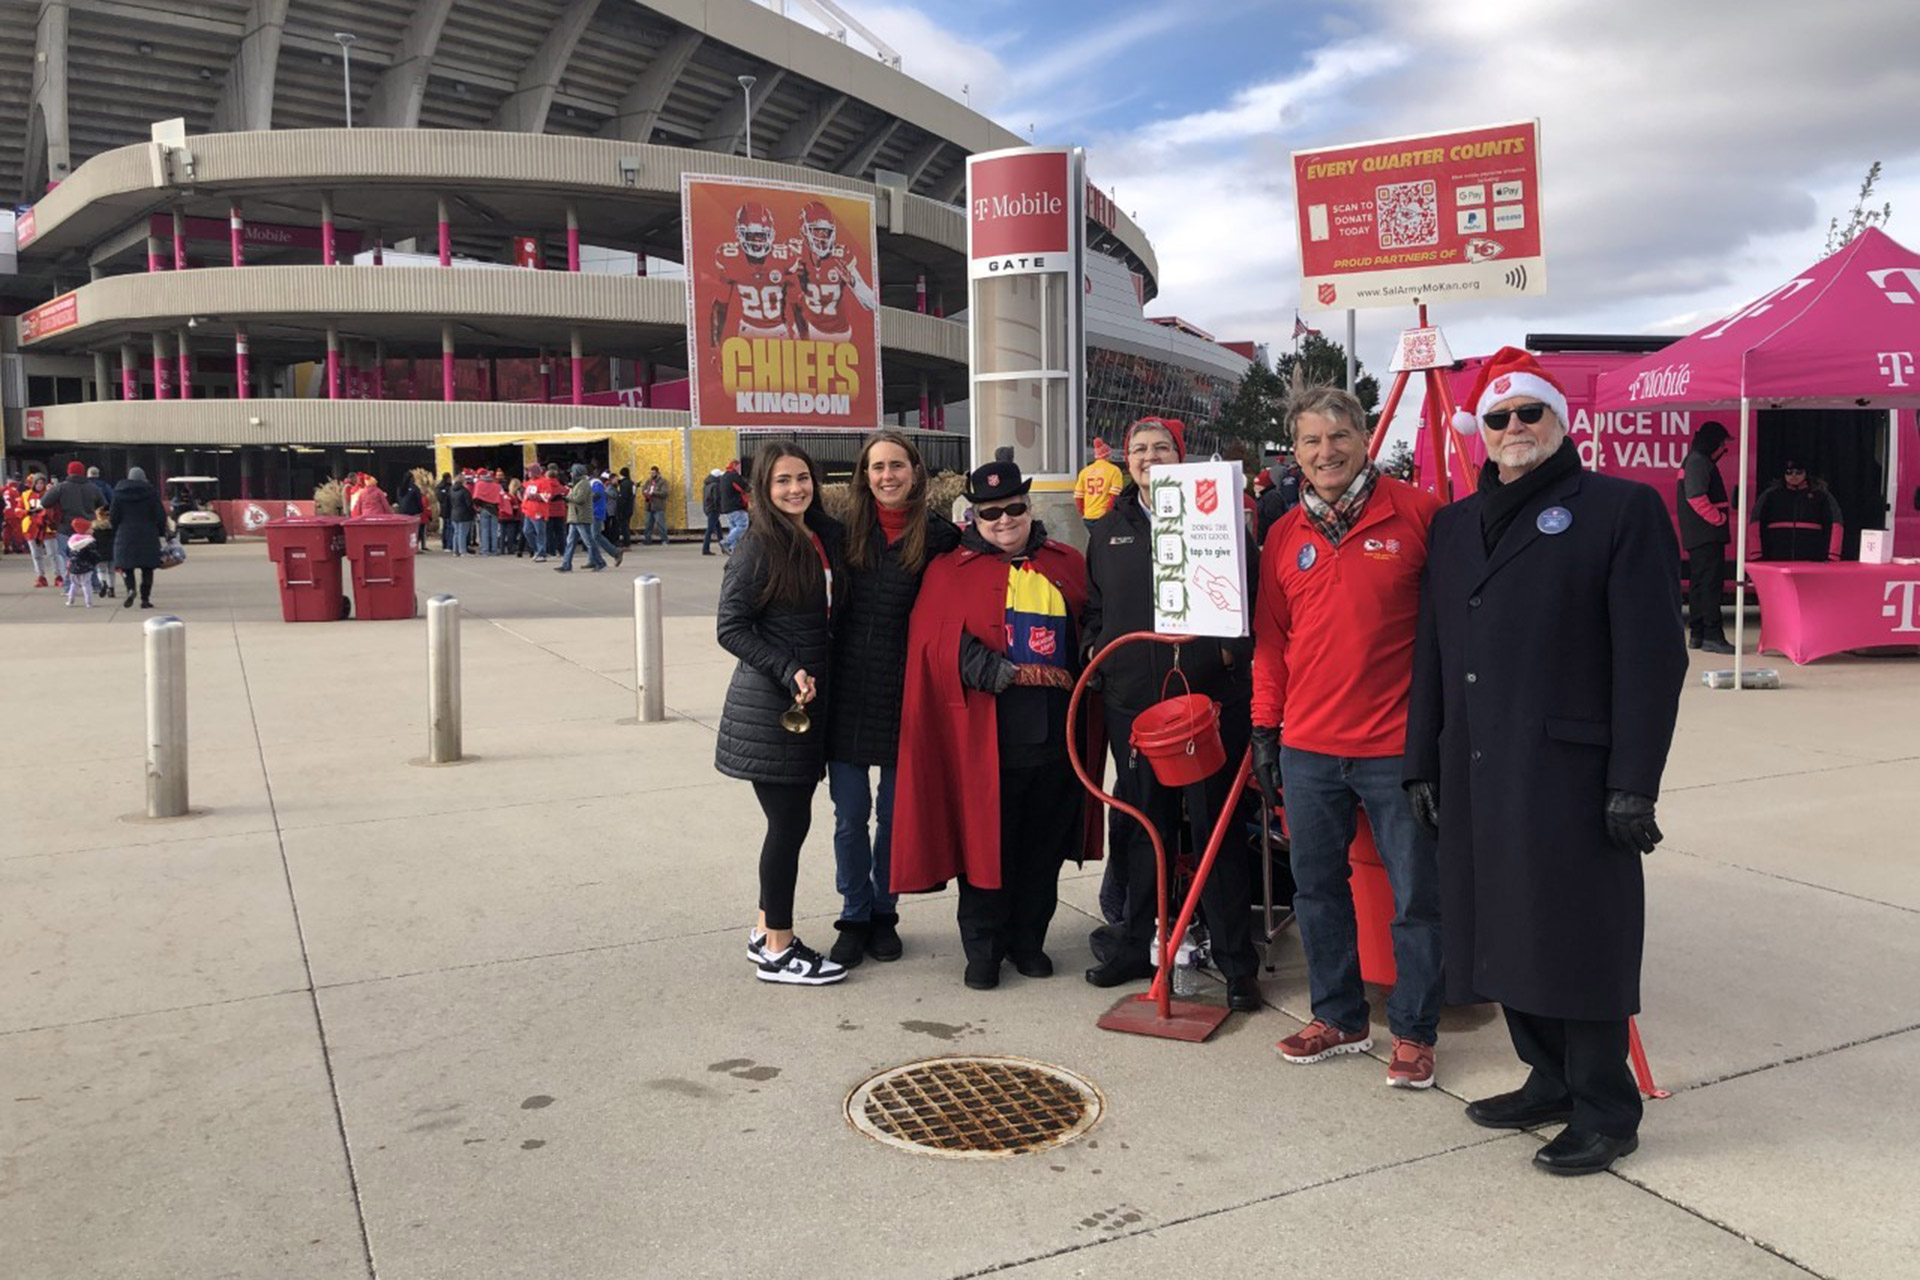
(757, 270)
(826, 274)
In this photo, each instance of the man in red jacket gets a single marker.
(1332, 661)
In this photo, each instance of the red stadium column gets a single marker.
(184, 361)
(162, 375)
(446, 234)
(446, 360)
(236, 234)
(573, 238)
(579, 387)
(241, 389)
(326, 229)
(333, 363)
(179, 240)
(129, 372)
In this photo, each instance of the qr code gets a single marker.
(1407, 213)
(1419, 352)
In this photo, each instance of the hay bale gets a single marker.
(944, 490)
(330, 499)
(836, 500)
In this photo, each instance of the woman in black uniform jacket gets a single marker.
(776, 608)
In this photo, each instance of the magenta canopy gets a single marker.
(1844, 333)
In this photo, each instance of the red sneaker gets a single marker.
(59, 582)
(1319, 1040)
(40, 582)
(1411, 1066)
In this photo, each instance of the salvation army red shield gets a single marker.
(1326, 292)
(1206, 496)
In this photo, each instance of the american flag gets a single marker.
(1301, 330)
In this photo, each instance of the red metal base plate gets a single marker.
(1140, 1016)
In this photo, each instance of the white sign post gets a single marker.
(1199, 549)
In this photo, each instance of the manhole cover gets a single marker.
(975, 1108)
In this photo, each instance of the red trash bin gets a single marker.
(381, 550)
(307, 551)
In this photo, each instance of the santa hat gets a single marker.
(1509, 372)
(1172, 426)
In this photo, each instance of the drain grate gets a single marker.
(975, 1108)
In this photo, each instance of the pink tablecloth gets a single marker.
(1808, 611)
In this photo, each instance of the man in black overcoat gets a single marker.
(1546, 681)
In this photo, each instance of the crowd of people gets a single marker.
(82, 530)
(1493, 684)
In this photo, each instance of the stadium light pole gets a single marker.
(346, 39)
(746, 87)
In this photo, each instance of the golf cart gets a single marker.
(188, 499)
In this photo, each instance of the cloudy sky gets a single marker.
(1693, 150)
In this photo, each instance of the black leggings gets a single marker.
(789, 810)
(146, 582)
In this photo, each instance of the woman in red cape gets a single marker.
(985, 792)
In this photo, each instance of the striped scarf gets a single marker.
(1333, 520)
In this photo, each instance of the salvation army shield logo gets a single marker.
(1206, 496)
(1326, 295)
(1043, 641)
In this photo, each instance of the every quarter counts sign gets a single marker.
(1440, 217)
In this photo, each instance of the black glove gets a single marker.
(1002, 677)
(1630, 823)
(1425, 799)
(1266, 763)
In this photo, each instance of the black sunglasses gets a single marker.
(987, 515)
(1496, 419)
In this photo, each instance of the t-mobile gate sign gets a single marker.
(1440, 217)
(1020, 212)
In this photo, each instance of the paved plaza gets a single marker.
(364, 1018)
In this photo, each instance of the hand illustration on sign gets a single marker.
(1217, 589)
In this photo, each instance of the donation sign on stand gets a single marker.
(1199, 549)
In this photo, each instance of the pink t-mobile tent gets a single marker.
(1843, 334)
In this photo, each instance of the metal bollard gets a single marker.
(166, 644)
(443, 680)
(649, 659)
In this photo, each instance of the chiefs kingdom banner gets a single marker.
(783, 325)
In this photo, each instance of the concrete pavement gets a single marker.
(362, 1018)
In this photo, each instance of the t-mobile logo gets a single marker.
(1903, 605)
(1898, 283)
(1895, 366)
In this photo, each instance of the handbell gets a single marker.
(795, 719)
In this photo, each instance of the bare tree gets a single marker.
(1861, 216)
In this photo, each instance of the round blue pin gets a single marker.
(1308, 554)
(1554, 520)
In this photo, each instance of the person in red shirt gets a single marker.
(1332, 662)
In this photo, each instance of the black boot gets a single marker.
(850, 948)
(883, 941)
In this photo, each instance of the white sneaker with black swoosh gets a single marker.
(801, 966)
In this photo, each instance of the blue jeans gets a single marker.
(736, 530)
(861, 866)
(489, 533)
(462, 535)
(656, 527)
(713, 531)
(534, 530)
(582, 535)
(1321, 792)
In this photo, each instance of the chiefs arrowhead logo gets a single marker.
(1326, 295)
(1206, 496)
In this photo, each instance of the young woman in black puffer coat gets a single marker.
(891, 535)
(776, 616)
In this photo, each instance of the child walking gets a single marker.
(83, 557)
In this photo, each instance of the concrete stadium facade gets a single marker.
(549, 133)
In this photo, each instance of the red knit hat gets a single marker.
(1172, 426)
(1510, 372)
(76, 468)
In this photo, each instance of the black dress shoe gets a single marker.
(1037, 965)
(1518, 1111)
(1693, 640)
(982, 975)
(1118, 969)
(1581, 1151)
(1243, 994)
(884, 942)
(1712, 645)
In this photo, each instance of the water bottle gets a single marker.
(1186, 973)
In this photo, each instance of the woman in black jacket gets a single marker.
(775, 616)
(1119, 601)
(139, 522)
(890, 537)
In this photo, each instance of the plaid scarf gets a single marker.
(1334, 520)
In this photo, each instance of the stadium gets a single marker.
(275, 240)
